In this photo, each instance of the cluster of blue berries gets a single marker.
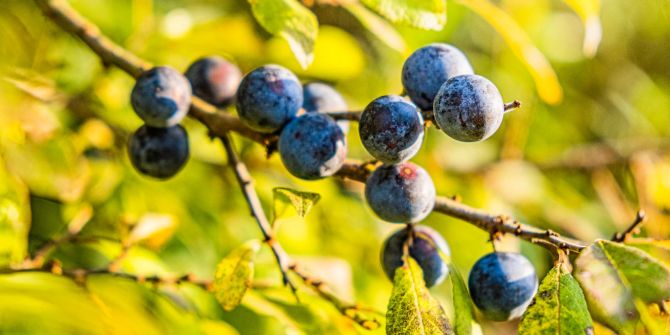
(271, 99)
(437, 78)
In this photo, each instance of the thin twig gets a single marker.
(220, 123)
(510, 106)
(639, 219)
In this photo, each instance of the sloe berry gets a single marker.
(428, 68)
(502, 285)
(161, 97)
(312, 146)
(323, 98)
(469, 108)
(391, 129)
(402, 193)
(268, 98)
(425, 248)
(214, 80)
(159, 152)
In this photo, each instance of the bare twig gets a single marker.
(220, 123)
(639, 219)
(510, 106)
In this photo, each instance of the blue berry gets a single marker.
(428, 68)
(159, 152)
(214, 80)
(426, 247)
(391, 129)
(469, 108)
(161, 97)
(322, 98)
(312, 146)
(268, 98)
(502, 285)
(402, 193)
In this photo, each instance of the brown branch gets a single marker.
(637, 222)
(219, 123)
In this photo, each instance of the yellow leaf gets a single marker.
(588, 11)
(543, 74)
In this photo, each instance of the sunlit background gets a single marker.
(579, 158)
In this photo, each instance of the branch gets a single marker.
(220, 123)
(639, 219)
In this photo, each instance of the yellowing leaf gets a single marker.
(286, 198)
(558, 308)
(588, 11)
(659, 249)
(539, 67)
(234, 275)
(618, 280)
(424, 14)
(292, 21)
(411, 309)
(377, 26)
(14, 219)
(154, 229)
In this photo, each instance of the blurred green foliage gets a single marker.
(65, 118)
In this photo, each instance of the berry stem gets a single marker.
(220, 123)
(510, 106)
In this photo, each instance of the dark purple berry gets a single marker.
(159, 152)
(161, 97)
(214, 80)
(322, 98)
(428, 68)
(426, 246)
(391, 129)
(469, 108)
(502, 285)
(402, 193)
(312, 146)
(268, 98)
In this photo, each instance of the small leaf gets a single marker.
(588, 11)
(539, 67)
(292, 21)
(423, 14)
(234, 275)
(558, 307)
(153, 229)
(618, 280)
(463, 309)
(380, 28)
(411, 309)
(285, 198)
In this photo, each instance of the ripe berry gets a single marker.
(312, 146)
(428, 68)
(161, 97)
(159, 152)
(402, 193)
(469, 108)
(268, 98)
(391, 129)
(322, 98)
(426, 247)
(214, 80)
(502, 285)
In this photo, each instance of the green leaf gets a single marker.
(659, 249)
(521, 45)
(286, 198)
(618, 280)
(380, 28)
(234, 275)
(412, 310)
(14, 219)
(463, 308)
(558, 308)
(292, 21)
(424, 14)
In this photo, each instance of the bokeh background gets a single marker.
(581, 166)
